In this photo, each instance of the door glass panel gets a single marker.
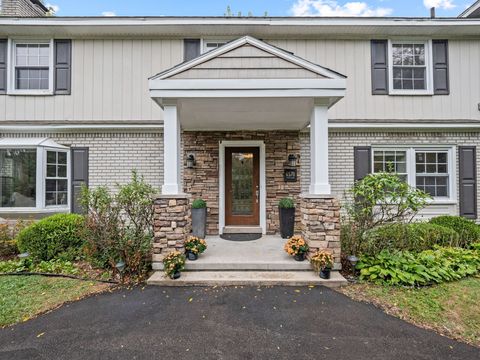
(242, 183)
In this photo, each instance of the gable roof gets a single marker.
(472, 11)
(284, 55)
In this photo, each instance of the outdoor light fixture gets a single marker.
(292, 160)
(120, 266)
(190, 161)
(353, 261)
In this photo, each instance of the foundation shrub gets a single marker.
(413, 237)
(59, 235)
(468, 231)
(8, 233)
(119, 227)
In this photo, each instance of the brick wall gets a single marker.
(341, 146)
(21, 8)
(113, 155)
(203, 180)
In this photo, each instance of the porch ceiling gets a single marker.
(245, 113)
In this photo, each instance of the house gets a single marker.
(240, 112)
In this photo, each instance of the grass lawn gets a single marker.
(24, 297)
(451, 309)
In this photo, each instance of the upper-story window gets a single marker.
(410, 67)
(209, 45)
(31, 69)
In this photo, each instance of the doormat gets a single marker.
(241, 237)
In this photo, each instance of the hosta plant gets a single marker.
(173, 263)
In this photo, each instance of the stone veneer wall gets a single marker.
(203, 182)
(320, 224)
(171, 226)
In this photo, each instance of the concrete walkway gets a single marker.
(224, 323)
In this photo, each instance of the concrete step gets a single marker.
(246, 278)
(242, 265)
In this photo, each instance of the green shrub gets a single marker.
(52, 236)
(414, 237)
(8, 233)
(468, 231)
(55, 266)
(199, 204)
(428, 267)
(286, 203)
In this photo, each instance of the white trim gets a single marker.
(172, 162)
(11, 90)
(263, 181)
(204, 41)
(411, 126)
(411, 170)
(428, 68)
(468, 11)
(254, 42)
(40, 128)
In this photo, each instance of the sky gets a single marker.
(257, 7)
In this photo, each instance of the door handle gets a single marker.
(257, 193)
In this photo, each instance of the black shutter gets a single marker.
(63, 67)
(191, 49)
(3, 66)
(468, 181)
(440, 67)
(379, 49)
(362, 161)
(79, 177)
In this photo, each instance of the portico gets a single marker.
(243, 96)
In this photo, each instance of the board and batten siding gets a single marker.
(109, 82)
(352, 58)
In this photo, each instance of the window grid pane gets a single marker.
(409, 67)
(32, 66)
(56, 181)
(391, 161)
(432, 172)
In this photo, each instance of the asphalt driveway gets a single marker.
(224, 323)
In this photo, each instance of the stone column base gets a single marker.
(172, 224)
(320, 223)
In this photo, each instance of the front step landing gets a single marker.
(247, 278)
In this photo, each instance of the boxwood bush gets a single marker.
(54, 236)
(414, 237)
(468, 231)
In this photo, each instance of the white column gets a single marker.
(171, 151)
(319, 184)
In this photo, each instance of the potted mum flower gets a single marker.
(199, 218)
(194, 246)
(173, 264)
(297, 247)
(286, 211)
(322, 262)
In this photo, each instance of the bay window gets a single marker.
(426, 168)
(34, 175)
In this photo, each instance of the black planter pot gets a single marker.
(199, 222)
(175, 275)
(192, 256)
(287, 222)
(325, 273)
(299, 257)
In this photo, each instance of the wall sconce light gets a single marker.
(292, 160)
(191, 161)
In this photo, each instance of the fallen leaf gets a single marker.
(297, 291)
(190, 300)
(41, 334)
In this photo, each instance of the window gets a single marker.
(18, 169)
(432, 172)
(427, 169)
(31, 71)
(56, 181)
(209, 45)
(34, 174)
(410, 68)
(391, 161)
